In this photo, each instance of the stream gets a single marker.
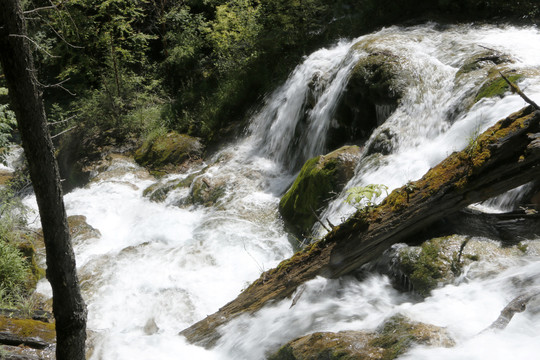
(157, 268)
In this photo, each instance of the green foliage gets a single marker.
(14, 273)
(234, 34)
(16, 254)
(365, 196)
(8, 123)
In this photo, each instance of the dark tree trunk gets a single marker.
(25, 96)
(505, 156)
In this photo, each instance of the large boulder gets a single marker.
(394, 337)
(81, 151)
(320, 179)
(376, 84)
(169, 151)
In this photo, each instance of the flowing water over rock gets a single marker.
(159, 267)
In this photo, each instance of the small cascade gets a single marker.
(292, 125)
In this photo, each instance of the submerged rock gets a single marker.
(168, 151)
(393, 338)
(320, 179)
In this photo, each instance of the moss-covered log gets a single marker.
(503, 157)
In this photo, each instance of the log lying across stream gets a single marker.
(505, 156)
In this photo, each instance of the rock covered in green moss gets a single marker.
(484, 60)
(496, 86)
(393, 338)
(169, 150)
(319, 180)
(440, 261)
(24, 338)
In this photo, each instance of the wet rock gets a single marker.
(320, 179)
(382, 143)
(79, 229)
(483, 60)
(159, 191)
(151, 328)
(442, 260)
(375, 86)
(206, 190)
(169, 151)
(393, 338)
(81, 151)
(26, 338)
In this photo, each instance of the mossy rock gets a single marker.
(393, 338)
(28, 251)
(319, 180)
(377, 80)
(28, 329)
(377, 77)
(169, 150)
(482, 61)
(437, 261)
(496, 86)
(397, 334)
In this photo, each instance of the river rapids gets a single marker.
(157, 268)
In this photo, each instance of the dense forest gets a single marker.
(116, 75)
(135, 68)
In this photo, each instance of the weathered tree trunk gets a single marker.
(510, 228)
(505, 156)
(17, 64)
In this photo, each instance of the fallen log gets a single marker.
(509, 228)
(503, 157)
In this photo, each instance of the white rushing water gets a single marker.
(158, 268)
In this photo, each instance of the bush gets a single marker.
(14, 274)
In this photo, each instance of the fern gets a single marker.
(365, 196)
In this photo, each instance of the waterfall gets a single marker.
(170, 266)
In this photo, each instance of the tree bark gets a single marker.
(505, 156)
(17, 63)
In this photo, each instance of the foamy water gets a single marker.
(157, 268)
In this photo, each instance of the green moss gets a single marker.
(28, 328)
(496, 87)
(318, 181)
(171, 149)
(397, 334)
(424, 268)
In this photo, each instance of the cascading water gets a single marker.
(157, 268)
